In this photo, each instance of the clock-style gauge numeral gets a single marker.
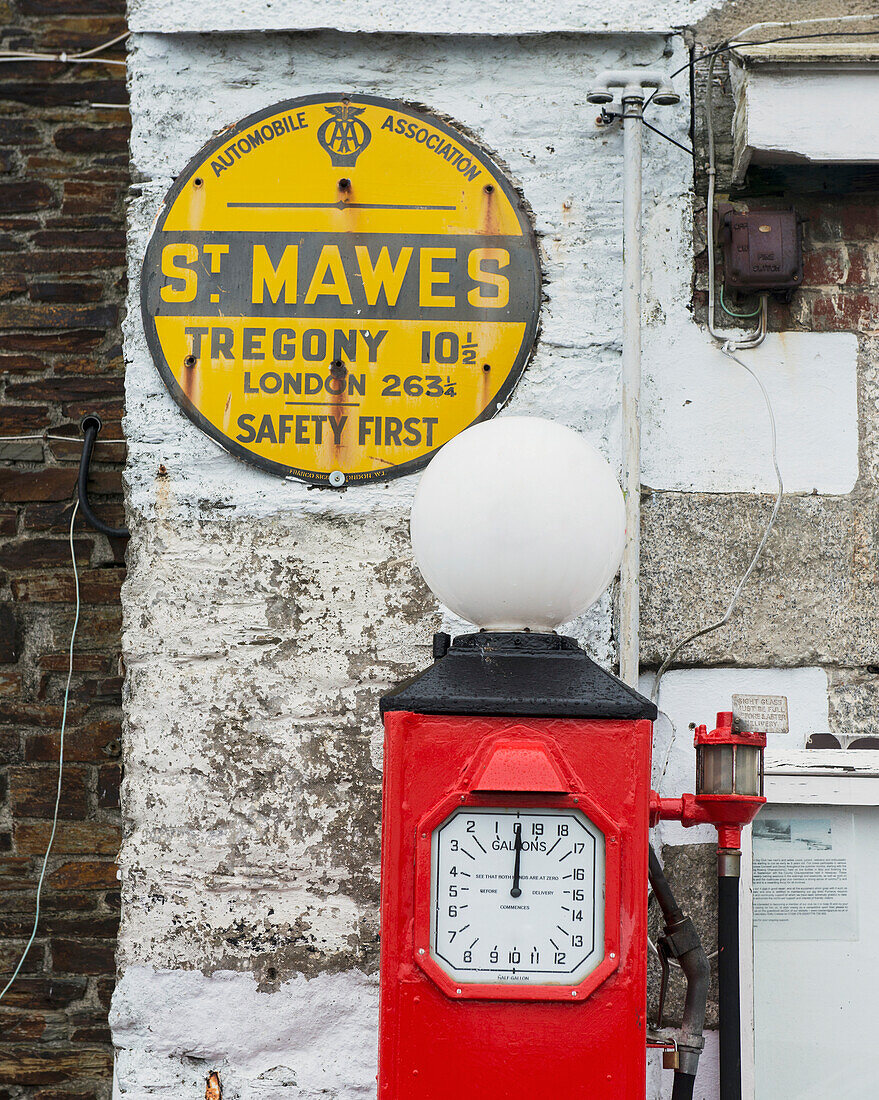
(533, 876)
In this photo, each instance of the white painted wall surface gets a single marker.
(263, 619)
(403, 16)
(308, 1039)
(186, 88)
(705, 424)
(821, 112)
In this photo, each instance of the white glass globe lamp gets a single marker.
(518, 524)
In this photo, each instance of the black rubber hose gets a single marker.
(91, 425)
(683, 1087)
(661, 889)
(728, 987)
(694, 963)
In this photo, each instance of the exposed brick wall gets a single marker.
(840, 208)
(63, 177)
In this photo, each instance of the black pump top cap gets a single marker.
(516, 674)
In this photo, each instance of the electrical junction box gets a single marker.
(762, 249)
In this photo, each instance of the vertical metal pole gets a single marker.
(631, 387)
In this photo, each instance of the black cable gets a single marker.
(661, 890)
(686, 148)
(761, 42)
(91, 425)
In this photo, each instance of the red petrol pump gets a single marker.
(514, 867)
(516, 809)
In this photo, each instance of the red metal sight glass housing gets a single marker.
(729, 783)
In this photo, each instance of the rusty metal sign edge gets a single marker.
(462, 136)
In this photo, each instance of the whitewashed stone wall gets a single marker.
(264, 619)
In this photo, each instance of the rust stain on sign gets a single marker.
(326, 281)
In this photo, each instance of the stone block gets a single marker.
(32, 792)
(23, 196)
(83, 875)
(812, 600)
(74, 838)
(76, 956)
(46, 1067)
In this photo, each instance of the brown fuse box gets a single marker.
(762, 249)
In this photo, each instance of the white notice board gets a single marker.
(810, 929)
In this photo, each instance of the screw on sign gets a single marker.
(337, 286)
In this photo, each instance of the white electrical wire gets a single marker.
(85, 57)
(729, 349)
(33, 935)
(801, 23)
(730, 346)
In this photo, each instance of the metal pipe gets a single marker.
(681, 941)
(728, 980)
(746, 339)
(630, 85)
(632, 82)
(631, 388)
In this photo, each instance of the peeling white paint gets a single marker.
(185, 89)
(494, 17)
(264, 619)
(306, 1038)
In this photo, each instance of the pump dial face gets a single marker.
(517, 896)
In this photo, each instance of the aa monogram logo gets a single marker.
(344, 135)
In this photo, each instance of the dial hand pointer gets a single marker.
(516, 892)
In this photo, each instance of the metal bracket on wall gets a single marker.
(91, 425)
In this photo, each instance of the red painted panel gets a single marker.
(435, 1045)
(520, 766)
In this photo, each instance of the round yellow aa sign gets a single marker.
(337, 286)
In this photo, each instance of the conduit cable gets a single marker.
(732, 313)
(734, 43)
(83, 57)
(61, 438)
(33, 934)
(729, 347)
(807, 23)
